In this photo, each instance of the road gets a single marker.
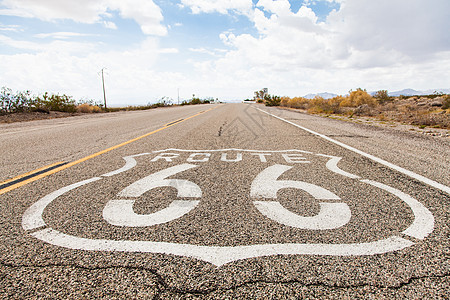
(220, 202)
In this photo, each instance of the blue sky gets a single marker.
(224, 49)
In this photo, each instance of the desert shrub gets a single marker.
(272, 100)
(14, 102)
(84, 108)
(298, 102)
(446, 102)
(54, 102)
(88, 108)
(196, 101)
(382, 96)
(285, 101)
(357, 98)
(321, 105)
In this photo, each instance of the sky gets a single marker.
(225, 49)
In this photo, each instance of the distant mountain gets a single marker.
(323, 95)
(411, 92)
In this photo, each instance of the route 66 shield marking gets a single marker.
(334, 213)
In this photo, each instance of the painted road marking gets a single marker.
(423, 223)
(71, 164)
(421, 178)
(15, 182)
(174, 122)
(221, 255)
(266, 185)
(120, 212)
(421, 227)
(207, 155)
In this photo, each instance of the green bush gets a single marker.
(14, 102)
(195, 101)
(382, 96)
(272, 100)
(54, 102)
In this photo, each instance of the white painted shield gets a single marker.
(264, 188)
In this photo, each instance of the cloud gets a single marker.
(362, 34)
(61, 35)
(109, 25)
(220, 6)
(373, 44)
(79, 48)
(11, 28)
(145, 12)
(72, 68)
(370, 44)
(203, 51)
(413, 27)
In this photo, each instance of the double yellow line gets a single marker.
(32, 176)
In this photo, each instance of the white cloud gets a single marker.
(109, 25)
(145, 12)
(220, 6)
(61, 35)
(79, 48)
(203, 50)
(413, 27)
(369, 44)
(11, 28)
(72, 68)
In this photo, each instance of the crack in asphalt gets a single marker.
(162, 285)
(221, 128)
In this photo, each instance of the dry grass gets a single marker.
(423, 111)
(88, 108)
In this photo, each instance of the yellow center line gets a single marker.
(29, 173)
(71, 164)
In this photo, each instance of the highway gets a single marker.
(222, 201)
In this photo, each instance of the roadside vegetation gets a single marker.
(23, 102)
(18, 106)
(423, 111)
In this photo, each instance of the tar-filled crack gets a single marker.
(221, 128)
(162, 286)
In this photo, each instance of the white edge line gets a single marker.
(411, 174)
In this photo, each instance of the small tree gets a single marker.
(272, 100)
(382, 96)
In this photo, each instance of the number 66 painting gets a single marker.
(263, 189)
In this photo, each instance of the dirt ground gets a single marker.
(32, 116)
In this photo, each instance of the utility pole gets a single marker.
(178, 96)
(103, 82)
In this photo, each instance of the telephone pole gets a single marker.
(103, 83)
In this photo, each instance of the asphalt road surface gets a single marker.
(221, 202)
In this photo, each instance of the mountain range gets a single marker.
(323, 95)
(405, 92)
(411, 92)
